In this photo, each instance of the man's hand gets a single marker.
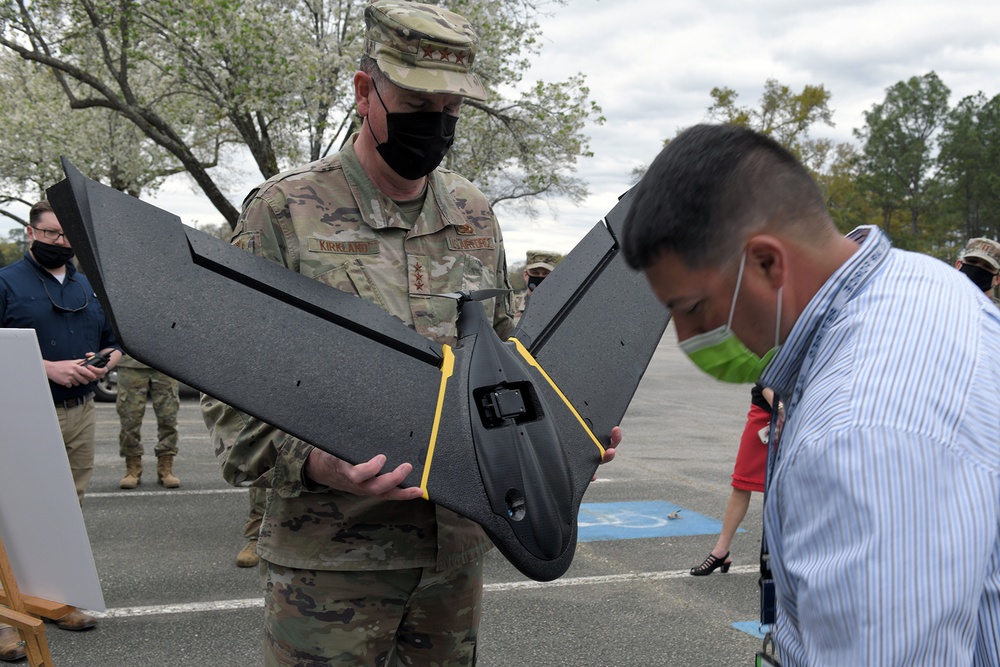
(116, 356)
(362, 479)
(72, 372)
(609, 452)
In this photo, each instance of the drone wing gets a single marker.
(178, 299)
(593, 325)
(507, 434)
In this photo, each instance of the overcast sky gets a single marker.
(650, 64)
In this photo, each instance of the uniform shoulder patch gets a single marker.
(248, 241)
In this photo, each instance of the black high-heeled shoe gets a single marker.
(711, 564)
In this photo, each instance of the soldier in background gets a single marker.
(539, 264)
(980, 261)
(136, 380)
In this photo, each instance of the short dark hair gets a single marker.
(370, 66)
(711, 187)
(35, 214)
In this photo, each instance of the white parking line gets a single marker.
(199, 492)
(251, 603)
(189, 492)
(193, 607)
(608, 579)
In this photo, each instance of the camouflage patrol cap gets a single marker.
(987, 250)
(423, 47)
(541, 259)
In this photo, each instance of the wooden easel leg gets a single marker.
(31, 629)
(38, 650)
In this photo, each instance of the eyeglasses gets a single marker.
(50, 234)
(63, 309)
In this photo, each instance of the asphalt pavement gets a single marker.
(175, 596)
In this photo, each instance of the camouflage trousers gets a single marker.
(133, 386)
(258, 499)
(372, 618)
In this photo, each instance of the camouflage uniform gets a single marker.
(326, 220)
(519, 303)
(258, 500)
(135, 379)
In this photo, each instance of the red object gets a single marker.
(751, 460)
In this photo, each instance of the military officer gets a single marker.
(356, 569)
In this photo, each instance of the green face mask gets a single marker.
(724, 356)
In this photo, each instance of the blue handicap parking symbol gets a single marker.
(752, 628)
(630, 520)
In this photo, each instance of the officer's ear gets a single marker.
(362, 92)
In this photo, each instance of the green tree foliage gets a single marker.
(970, 167)
(782, 114)
(12, 248)
(899, 169)
(198, 78)
(37, 128)
(927, 174)
(838, 180)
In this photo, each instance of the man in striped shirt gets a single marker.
(882, 513)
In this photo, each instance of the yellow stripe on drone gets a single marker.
(531, 360)
(447, 369)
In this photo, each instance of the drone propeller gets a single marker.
(473, 295)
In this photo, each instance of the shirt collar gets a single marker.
(70, 267)
(782, 374)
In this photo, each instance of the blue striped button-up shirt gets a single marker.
(883, 512)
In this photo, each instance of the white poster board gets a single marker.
(41, 522)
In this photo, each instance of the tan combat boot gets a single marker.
(165, 474)
(133, 471)
(247, 557)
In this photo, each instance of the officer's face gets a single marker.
(400, 100)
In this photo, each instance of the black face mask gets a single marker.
(51, 256)
(534, 281)
(982, 278)
(417, 141)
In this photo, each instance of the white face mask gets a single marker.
(724, 356)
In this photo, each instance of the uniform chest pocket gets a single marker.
(22, 311)
(449, 273)
(353, 277)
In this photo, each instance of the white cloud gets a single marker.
(650, 64)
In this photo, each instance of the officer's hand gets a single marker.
(362, 479)
(609, 453)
